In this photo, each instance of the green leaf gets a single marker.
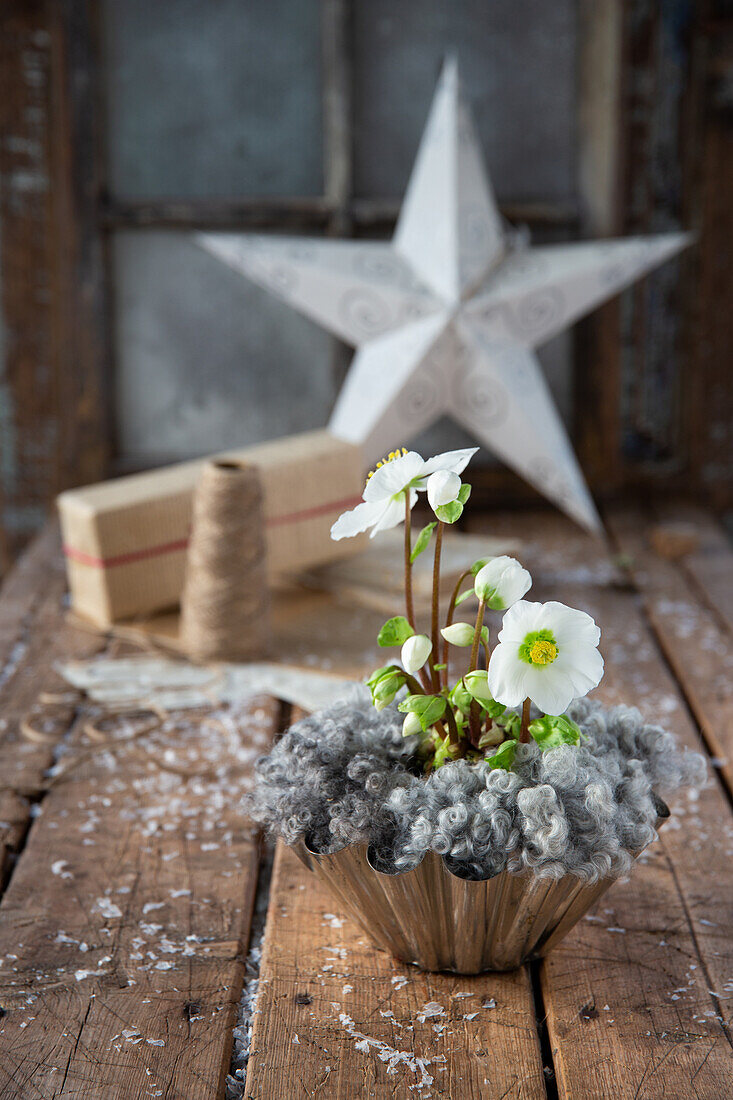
(509, 720)
(465, 596)
(553, 730)
(478, 565)
(460, 697)
(378, 674)
(386, 687)
(464, 492)
(422, 540)
(428, 708)
(449, 513)
(395, 631)
(504, 756)
(439, 668)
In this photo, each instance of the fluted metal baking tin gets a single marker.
(437, 920)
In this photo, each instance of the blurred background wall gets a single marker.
(125, 126)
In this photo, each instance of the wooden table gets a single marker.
(124, 935)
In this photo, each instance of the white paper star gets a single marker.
(445, 316)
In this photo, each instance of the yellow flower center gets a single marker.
(542, 652)
(390, 458)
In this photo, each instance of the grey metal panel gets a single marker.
(518, 67)
(210, 99)
(206, 360)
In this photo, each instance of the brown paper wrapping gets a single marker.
(125, 540)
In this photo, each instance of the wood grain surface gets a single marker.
(126, 918)
(126, 914)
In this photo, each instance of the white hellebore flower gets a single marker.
(415, 652)
(459, 634)
(501, 582)
(547, 652)
(384, 496)
(443, 487)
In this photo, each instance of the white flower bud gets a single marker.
(411, 725)
(494, 735)
(459, 634)
(477, 683)
(415, 652)
(501, 582)
(443, 487)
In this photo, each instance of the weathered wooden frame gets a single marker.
(56, 215)
(53, 393)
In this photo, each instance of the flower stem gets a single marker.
(408, 564)
(524, 735)
(487, 653)
(474, 714)
(477, 636)
(453, 733)
(436, 604)
(409, 605)
(449, 620)
(410, 681)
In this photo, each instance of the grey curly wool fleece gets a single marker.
(348, 776)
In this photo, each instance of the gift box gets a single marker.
(125, 540)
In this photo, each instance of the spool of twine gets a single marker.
(225, 600)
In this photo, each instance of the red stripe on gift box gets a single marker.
(124, 559)
(312, 513)
(172, 547)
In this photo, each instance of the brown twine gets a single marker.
(225, 599)
(61, 705)
(102, 743)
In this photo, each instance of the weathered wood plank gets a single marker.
(33, 635)
(708, 394)
(710, 564)
(82, 334)
(597, 381)
(628, 992)
(24, 588)
(52, 927)
(25, 75)
(20, 593)
(694, 642)
(655, 155)
(661, 1031)
(52, 409)
(309, 211)
(337, 112)
(337, 1018)
(123, 929)
(24, 760)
